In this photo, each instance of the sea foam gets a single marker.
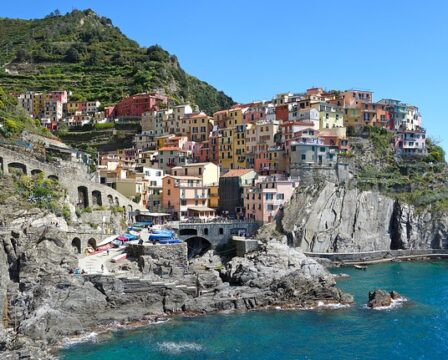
(178, 347)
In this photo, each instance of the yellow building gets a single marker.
(330, 116)
(239, 147)
(38, 103)
(206, 171)
(235, 116)
(226, 148)
(161, 141)
(200, 127)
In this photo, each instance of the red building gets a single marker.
(282, 112)
(136, 105)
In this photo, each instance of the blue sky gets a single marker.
(255, 48)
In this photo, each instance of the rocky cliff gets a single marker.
(42, 302)
(327, 217)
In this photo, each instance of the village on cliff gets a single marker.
(241, 163)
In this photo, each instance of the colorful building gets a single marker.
(266, 196)
(183, 192)
(134, 106)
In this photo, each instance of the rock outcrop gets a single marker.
(382, 299)
(327, 217)
(42, 301)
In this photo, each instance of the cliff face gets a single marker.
(331, 218)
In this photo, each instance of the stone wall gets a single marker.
(72, 176)
(244, 246)
(160, 260)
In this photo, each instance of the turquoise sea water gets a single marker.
(418, 330)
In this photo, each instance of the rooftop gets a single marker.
(171, 148)
(237, 172)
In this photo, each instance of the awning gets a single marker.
(201, 209)
(107, 240)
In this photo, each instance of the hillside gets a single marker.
(85, 53)
(14, 120)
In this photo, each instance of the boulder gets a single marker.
(381, 298)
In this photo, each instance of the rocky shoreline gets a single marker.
(43, 302)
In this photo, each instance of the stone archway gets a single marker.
(92, 243)
(2, 169)
(35, 172)
(83, 197)
(76, 245)
(110, 199)
(129, 208)
(17, 167)
(53, 177)
(116, 201)
(197, 245)
(96, 198)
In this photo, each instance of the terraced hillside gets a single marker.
(85, 53)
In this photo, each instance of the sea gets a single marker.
(415, 329)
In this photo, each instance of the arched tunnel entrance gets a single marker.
(197, 245)
(76, 245)
(17, 167)
(83, 197)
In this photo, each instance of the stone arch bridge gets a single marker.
(202, 236)
(82, 191)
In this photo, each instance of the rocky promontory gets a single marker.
(43, 302)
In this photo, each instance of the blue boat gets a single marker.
(169, 241)
(159, 236)
(131, 237)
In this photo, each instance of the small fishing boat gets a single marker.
(360, 267)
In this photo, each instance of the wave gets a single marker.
(322, 305)
(177, 348)
(91, 337)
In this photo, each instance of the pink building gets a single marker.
(182, 195)
(410, 143)
(266, 196)
(61, 96)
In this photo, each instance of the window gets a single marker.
(270, 207)
(303, 156)
(280, 196)
(221, 231)
(293, 148)
(269, 196)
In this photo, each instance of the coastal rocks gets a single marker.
(326, 217)
(287, 274)
(383, 299)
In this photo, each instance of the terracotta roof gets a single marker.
(171, 148)
(183, 177)
(200, 115)
(237, 172)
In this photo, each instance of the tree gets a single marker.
(22, 55)
(96, 58)
(72, 55)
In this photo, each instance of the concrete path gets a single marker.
(92, 264)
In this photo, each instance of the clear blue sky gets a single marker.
(255, 48)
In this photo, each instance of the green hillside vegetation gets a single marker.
(419, 181)
(85, 53)
(14, 120)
